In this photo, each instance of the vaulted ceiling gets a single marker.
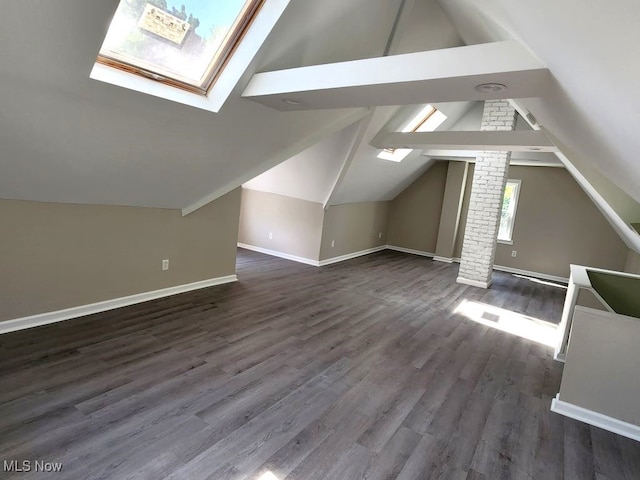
(67, 138)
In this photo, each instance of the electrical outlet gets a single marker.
(380, 235)
(333, 243)
(270, 236)
(514, 253)
(165, 264)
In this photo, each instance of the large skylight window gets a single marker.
(183, 43)
(427, 120)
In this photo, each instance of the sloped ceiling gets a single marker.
(370, 178)
(366, 178)
(592, 49)
(66, 138)
(311, 174)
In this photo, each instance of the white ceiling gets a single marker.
(66, 138)
(592, 49)
(310, 175)
(370, 178)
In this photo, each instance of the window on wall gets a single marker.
(183, 43)
(509, 207)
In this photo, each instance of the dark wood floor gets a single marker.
(355, 370)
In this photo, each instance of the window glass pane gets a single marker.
(427, 120)
(507, 218)
(176, 39)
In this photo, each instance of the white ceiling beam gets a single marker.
(445, 75)
(513, 141)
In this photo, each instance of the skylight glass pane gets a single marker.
(433, 122)
(420, 118)
(427, 120)
(177, 39)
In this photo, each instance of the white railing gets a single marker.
(579, 279)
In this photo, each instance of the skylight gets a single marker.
(427, 120)
(183, 43)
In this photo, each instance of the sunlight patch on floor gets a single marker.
(268, 475)
(507, 321)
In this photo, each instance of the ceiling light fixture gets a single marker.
(292, 101)
(491, 87)
(535, 149)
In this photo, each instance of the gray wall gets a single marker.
(451, 208)
(296, 224)
(556, 225)
(57, 256)
(414, 215)
(354, 227)
(601, 369)
(632, 265)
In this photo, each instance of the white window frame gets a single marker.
(219, 93)
(516, 197)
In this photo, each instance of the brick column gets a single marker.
(485, 204)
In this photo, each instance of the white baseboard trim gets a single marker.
(528, 273)
(349, 256)
(275, 253)
(82, 310)
(473, 283)
(329, 261)
(596, 419)
(500, 268)
(411, 250)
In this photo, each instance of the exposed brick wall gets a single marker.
(485, 204)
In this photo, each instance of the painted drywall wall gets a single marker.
(587, 299)
(57, 256)
(601, 367)
(556, 225)
(414, 215)
(451, 208)
(295, 225)
(632, 265)
(353, 227)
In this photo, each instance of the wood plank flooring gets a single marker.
(359, 370)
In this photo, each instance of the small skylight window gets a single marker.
(427, 120)
(183, 43)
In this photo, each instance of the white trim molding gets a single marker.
(596, 419)
(473, 283)
(237, 64)
(341, 258)
(275, 253)
(528, 273)
(412, 251)
(349, 256)
(83, 310)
